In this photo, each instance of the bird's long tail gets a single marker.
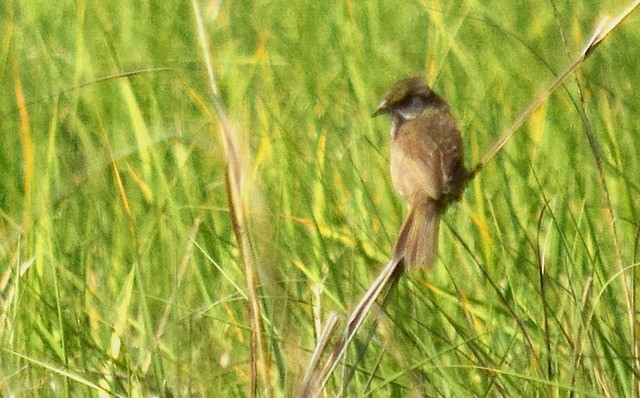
(418, 238)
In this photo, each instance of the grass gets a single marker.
(120, 269)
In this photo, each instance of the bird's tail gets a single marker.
(418, 238)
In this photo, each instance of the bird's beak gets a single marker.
(382, 108)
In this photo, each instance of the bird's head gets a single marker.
(407, 99)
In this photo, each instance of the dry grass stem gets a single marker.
(236, 175)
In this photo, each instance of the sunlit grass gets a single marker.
(121, 272)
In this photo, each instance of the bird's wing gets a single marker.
(426, 154)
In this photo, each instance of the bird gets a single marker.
(427, 165)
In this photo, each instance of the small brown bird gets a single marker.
(427, 167)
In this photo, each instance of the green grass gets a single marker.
(119, 267)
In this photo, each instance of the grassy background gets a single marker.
(119, 269)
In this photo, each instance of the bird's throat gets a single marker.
(398, 121)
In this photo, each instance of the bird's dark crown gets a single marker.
(406, 88)
(407, 98)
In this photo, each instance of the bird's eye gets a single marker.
(410, 101)
(410, 106)
(418, 102)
